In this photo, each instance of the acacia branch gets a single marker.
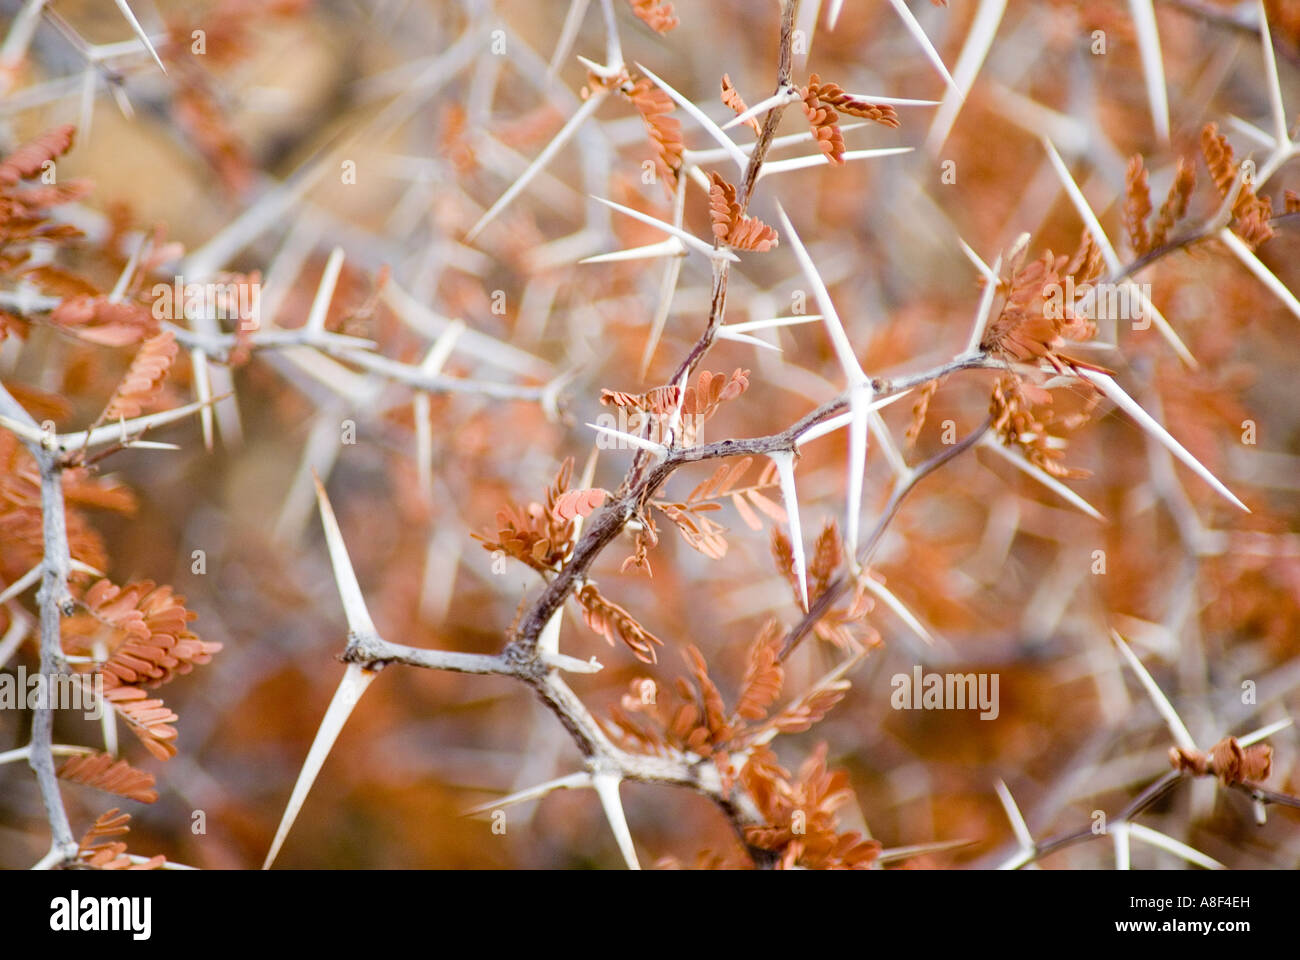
(54, 601)
(828, 597)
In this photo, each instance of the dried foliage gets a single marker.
(1227, 760)
(656, 14)
(98, 851)
(732, 98)
(447, 295)
(541, 534)
(616, 625)
(1251, 214)
(730, 225)
(1035, 319)
(103, 771)
(142, 384)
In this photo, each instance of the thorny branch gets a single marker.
(844, 582)
(54, 601)
(522, 658)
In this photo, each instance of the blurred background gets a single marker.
(387, 129)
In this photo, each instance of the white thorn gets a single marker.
(1177, 729)
(658, 449)
(1168, 844)
(320, 304)
(606, 785)
(724, 334)
(702, 118)
(1018, 825)
(1123, 852)
(784, 461)
(568, 33)
(534, 168)
(831, 424)
(891, 600)
(820, 159)
(974, 50)
(751, 325)
(710, 251)
(860, 396)
(1263, 733)
(1256, 266)
(1042, 476)
(1144, 21)
(355, 680)
(672, 247)
(986, 303)
(786, 96)
(1276, 105)
(354, 604)
(571, 782)
(843, 349)
(203, 393)
(1081, 205)
(1130, 406)
(914, 28)
(549, 640)
(140, 34)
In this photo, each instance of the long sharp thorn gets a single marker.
(1130, 406)
(784, 461)
(568, 33)
(710, 251)
(832, 424)
(355, 680)
(1264, 733)
(900, 609)
(534, 168)
(320, 304)
(1023, 464)
(775, 100)
(658, 449)
(667, 286)
(1144, 20)
(914, 28)
(1263, 273)
(571, 782)
(606, 785)
(819, 159)
(1277, 107)
(203, 392)
(986, 304)
(859, 410)
(1018, 825)
(749, 326)
(672, 247)
(1168, 844)
(702, 118)
(1084, 209)
(1123, 852)
(139, 32)
(843, 349)
(1177, 729)
(979, 40)
(354, 604)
